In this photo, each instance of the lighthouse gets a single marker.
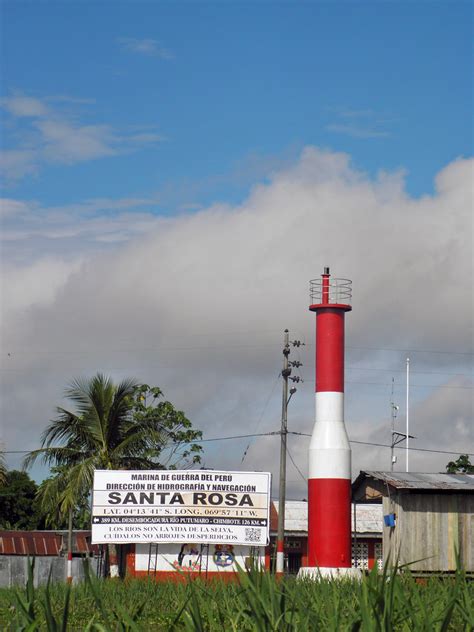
(329, 479)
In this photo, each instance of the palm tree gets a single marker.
(103, 433)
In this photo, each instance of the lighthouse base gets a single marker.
(322, 572)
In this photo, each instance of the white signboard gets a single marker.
(181, 506)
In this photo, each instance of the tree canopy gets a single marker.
(123, 426)
(18, 506)
(3, 469)
(462, 465)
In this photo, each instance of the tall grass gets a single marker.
(388, 601)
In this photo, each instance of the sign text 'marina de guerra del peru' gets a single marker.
(181, 506)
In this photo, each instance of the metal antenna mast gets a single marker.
(398, 437)
(408, 412)
(395, 437)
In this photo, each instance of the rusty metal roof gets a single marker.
(44, 542)
(423, 481)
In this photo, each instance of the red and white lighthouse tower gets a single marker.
(329, 484)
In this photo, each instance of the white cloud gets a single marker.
(18, 163)
(50, 135)
(31, 232)
(145, 46)
(25, 289)
(197, 304)
(67, 143)
(12, 208)
(441, 421)
(23, 106)
(359, 123)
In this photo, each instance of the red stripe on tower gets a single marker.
(329, 484)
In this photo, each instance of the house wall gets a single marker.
(430, 527)
(14, 569)
(367, 553)
(173, 560)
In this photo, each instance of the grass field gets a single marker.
(256, 602)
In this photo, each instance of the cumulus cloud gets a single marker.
(23, 291)
(197, 304)
(49, 134)
(12, 208)
(442, 420)
(32, 232)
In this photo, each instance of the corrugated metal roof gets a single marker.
(296, 515)
(425, 481)
(44, 542)
(369, 517)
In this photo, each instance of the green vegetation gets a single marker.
(3, 469)
(123, 426)
(257, 602)
(18, 506)
(114, 426)
(462, 465)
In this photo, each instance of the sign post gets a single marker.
(206, 506)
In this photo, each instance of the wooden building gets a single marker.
(428, 518)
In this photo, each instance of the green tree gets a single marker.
(47, 497)
(3, 469)
(178, 445)
(462, 465)
(18, 505)
(124, 426)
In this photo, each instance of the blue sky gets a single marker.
(215, 93)
(175, 173)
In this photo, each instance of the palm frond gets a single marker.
(61, 455)
(120, 410)
(79, 391)
(141, 438)
(106, 429)
(49, 497)
(79, 480)
(69, 427)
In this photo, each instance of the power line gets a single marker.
(226, 345)
(171, 367)
(468, 388)
(360, 368)
(300, 434)
(385, 445)
(296, 467)
(261, 416)
(244, 436)
(411, 350)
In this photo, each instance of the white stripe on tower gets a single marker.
(330, 453)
